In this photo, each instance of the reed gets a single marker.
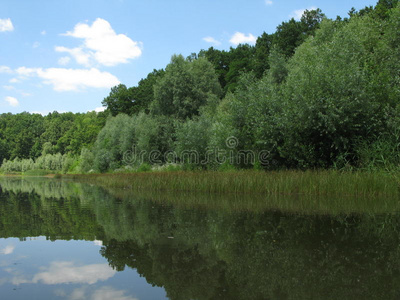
(316, 183)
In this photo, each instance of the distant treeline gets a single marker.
(317, 93)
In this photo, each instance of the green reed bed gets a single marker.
(257, 182)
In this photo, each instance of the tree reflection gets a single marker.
(216, 253)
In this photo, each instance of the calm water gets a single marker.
(66, 240)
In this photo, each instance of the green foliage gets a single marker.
(192, 140)
(86, 160)
(116, 137)
(289, 35)
(119, 100)
(317, 93)
(143, 94)
(226, 167)
(336, 92)
(184, 88)
(54, 162)
(144, 167)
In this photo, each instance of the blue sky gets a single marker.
(65, 55)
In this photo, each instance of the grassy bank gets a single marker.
(317, 183)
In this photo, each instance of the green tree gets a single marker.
(184, 88)
(120, 100)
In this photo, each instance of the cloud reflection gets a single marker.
(67, 272)
(103, 293)
(7, 250)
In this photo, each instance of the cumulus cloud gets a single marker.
(69, 79)
(67, 272)
(10, 248)
(241, 38)
(269, 2)
(101, 44)
(12, 102)
(6, 25)
(297, 14)
(77, 79)
(81, 57)
(211, 40)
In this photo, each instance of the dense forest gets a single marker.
(317, 93)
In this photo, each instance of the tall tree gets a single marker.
(120, 100)
(185, 87)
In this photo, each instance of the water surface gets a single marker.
(69, 240)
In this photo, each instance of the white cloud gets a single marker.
(19, 279)
(241, 38)
(83, 293)
(10, 248)
(77, 79)
(12, 102)
(101, 44)
(6, 25)
(35, 45)
(24, 71)
(80, 56)
(78, 294)
(64, 60)
(297, 14)
(64, 79)
(99, 109)
(5, 69)
(67, 272)
(8, 87)
(211, 40)
(269, 2)
(43, 32)
(106, 293)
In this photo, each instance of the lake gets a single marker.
(62, 239)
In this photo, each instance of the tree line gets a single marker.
(317, 93)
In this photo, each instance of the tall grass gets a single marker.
(317, 183)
